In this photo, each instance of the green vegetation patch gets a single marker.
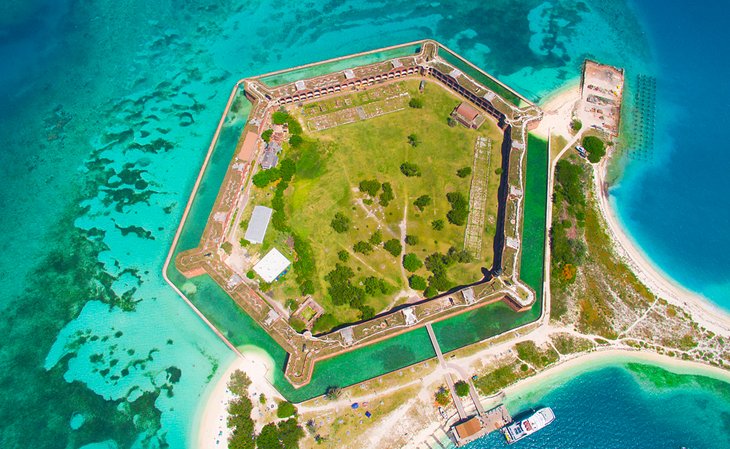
(344, 205)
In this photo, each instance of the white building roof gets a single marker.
(349, 74)
(396, 63)
(271, 266)
(456, 73)
(259, 223)
(300, 85)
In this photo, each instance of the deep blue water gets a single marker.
(676, 206)
(107, 109)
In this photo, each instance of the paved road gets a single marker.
(449, 380)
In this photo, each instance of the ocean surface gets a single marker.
(624, 406)
(106, 112)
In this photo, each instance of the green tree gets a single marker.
(411, 262)
(340, 223)
(363, 247)
(343, 255)
(332, 393)
(265, 177)
(410, 169)
(437, 225)
(459, 208)
(421, 202)
(416, 103)
(377, 238)
(595, 147)
(461, 388)
(430, 292)
(416, 282)
(285, 409)
(463, 172)
(387, 195)
(411, 240)
(370, 186)
(266, 135)
(296, 141)
(394, 247)
(366, 312)
(498, 171)
(280, 117)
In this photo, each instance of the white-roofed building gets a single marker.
(256, 229)
(271, 265)
(300, 85)
(349, 74)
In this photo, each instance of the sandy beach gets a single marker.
(558, 109)
(703, 311)
(211, 425)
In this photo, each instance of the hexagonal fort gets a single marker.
(364, 201)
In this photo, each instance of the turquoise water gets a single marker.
(107, 112)
(675, 205)
(626, 406)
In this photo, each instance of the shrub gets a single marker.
(262, 398)
(387, 195)
(411, 240)
(366, 312)
(409, 169)
(451, 121)
(463, 172)
(250, 274)
(394, 247)
(343, 255)
(285, 410)
(291, 304)
(363, 247)
(461, 388)
(377, 238)
(227, 247)
(370, 187)
(416, 103)
(422, 201)
(576, 125)
(498, 171)
(413, 140)
(443, 397)
(266, 135)
(411, 262)
(340, 223)
(298, 325)
(595, 147)
(416, 282)
(437, 225)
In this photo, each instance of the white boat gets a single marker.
(518, 430)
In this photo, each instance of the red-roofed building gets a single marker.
(468, 116)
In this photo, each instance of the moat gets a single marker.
(367, 197)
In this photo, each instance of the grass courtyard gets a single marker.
(371, 191)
